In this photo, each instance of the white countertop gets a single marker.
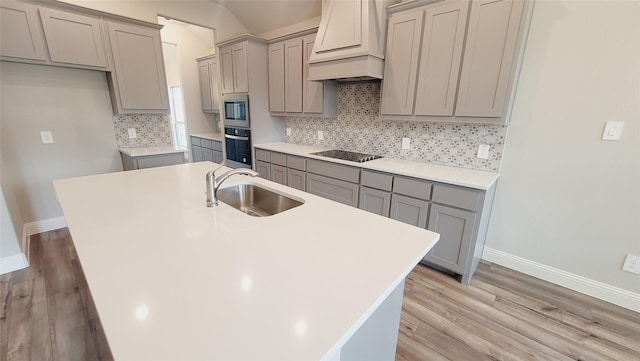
(212, 136)
(152, 150)
(175, 280)
(435, 172)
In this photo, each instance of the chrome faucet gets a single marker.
(214, 183)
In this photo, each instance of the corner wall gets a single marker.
(567, 200)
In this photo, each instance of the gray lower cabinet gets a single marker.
(375, 201)
(456, 231)
(279, 174)
(297, 179)
(264, 169)
(151, 161)
(206, 150)
(409, 210)
(333, 181)
(334, 189)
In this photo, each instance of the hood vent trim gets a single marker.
(350, 41)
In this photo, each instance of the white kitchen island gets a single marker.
(175, 280)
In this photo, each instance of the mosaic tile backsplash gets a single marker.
(151, 130)
(358, 128)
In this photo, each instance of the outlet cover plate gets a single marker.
(631, 264)
(406, 143)
(47, 137)
(132, 133)
(320, 135)
(483, 151)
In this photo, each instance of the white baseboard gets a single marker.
(36, 227)
(13, 263)
(603, 291)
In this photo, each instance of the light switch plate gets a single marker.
(612, 131)
(483, 151)
(320, 135)
(631, 264)
(132, 133)
(406, 143)
(47, 137)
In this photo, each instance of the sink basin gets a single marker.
(255, 200)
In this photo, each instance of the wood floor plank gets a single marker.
(28, 316)
(410, 349)
(70, 330)
(58, 271)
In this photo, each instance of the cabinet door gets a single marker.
(488, 57)
(218, 157)
(205, 85)
(279, 174)
(214, 82)
(264, 169)
(401, 64)
(334, 189)
(20, 31)
(276, 77)
(240, 67)
(139, 76)
(297, 179)
(456, 229)
(441, 54)
(409, 210)
(226, 70)
(293, 76)
(312, 91)
(207, 154)
(74, 38)
(375, 201)
(196, 153)
(341, 25)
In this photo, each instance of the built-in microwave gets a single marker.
(236, 110)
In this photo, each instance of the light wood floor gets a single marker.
(46, 313)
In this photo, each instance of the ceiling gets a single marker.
(260, 16)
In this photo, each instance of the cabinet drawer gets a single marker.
(295, 162)
(196, 141)
(334, 189)
(216, 145)
(279, 159)
(263, 155)
(412, 187)
(206, 143)
(377, 180)
(339, 171)
(460, 197)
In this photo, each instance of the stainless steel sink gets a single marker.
(255, 200)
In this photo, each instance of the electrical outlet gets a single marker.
(47, 137)
(483, 151)
(612, 131)
(631, 264)
(406, 143)
(288, 131)
(132, 133)
(320, 135)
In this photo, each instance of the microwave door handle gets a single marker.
(235, 137)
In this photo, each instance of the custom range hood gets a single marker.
(350, 42)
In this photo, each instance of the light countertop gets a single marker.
(175, 280)
(435, 172)
(152, 150)
(211, 136)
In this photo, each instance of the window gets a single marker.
(177, 117)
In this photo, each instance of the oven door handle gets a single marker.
(235, 137)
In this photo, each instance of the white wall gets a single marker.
(191, 44)
(565, 198)
(74, 106)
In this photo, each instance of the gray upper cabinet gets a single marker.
(452, 60)
(441, 58)
(401, 67)
(209, 84)
(20, 32)
(276, 77)
(74, 38)
(488, 57)
(139, 83)
(234, 68)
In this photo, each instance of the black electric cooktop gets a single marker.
(347, 155)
